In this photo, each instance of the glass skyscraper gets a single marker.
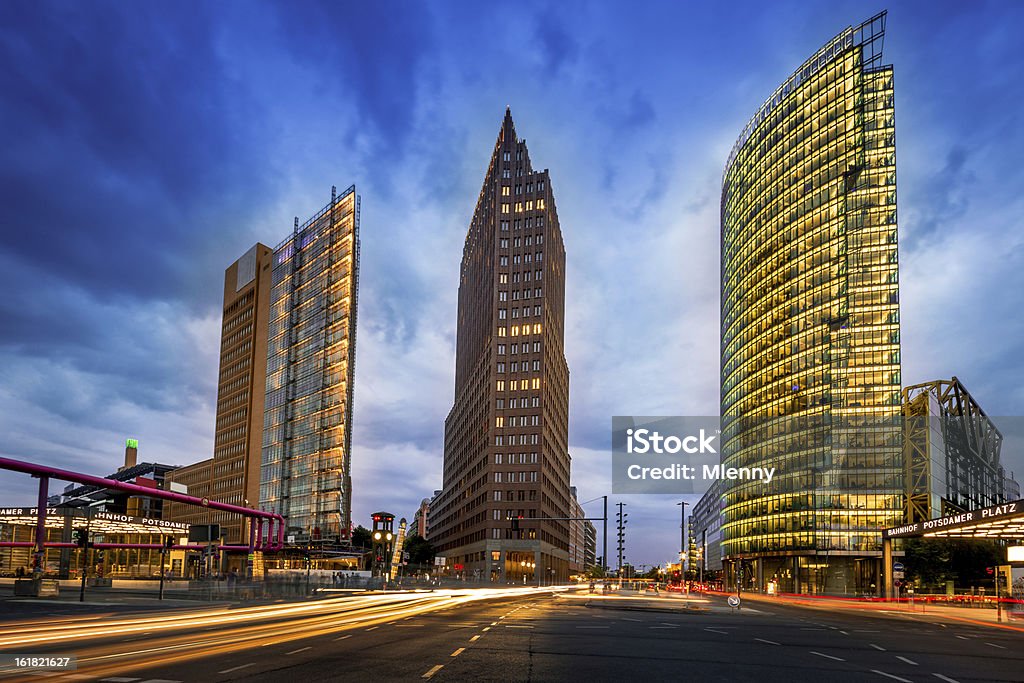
(810, 370)
(306, 475)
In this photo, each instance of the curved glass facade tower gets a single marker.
(810, 325)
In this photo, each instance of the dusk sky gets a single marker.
(147, 145)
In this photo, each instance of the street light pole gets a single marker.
(682, 532)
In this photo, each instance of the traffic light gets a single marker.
(81, 537)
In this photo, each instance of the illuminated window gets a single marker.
(501, 331)
(536, 382)
(503, 278)
(536, 328)
(504, 207)
(529, 204)
(540, 203)
(501, 385)
(504, 190)
(519, 207)
(499, 421)
(515, 330)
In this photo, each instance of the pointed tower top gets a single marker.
(508, 128)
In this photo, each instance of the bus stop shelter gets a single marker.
(995, 522)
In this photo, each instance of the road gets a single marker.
(530, 637)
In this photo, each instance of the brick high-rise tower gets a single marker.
(506, 458)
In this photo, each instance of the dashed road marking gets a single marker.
(895, 678)
(344, 637)
(301, 649)
(994, 645)
(433, 671)
(487, 628)
(770, 642)
(962, 637)
(713, 630)
(946, 678)
(236, 668)
(822, 654)
(373, 628)
(911, 662)
(877, 647)
(476, 637)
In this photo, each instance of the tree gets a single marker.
(419, 549)
(934, 561)
(361, 537)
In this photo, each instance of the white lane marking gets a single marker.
(477, 637)
(716, 631)
(373, 628)
(895, 678)
(994, 645)
(877, 647)
(962, 637)
(494, 623)
(301, 649)
(628, 619)
(487, 628)
(457, 652)
(344, 637)
(844, 633)
(770, 642)
(433, 671)
(911, 662)
(822, 654)
(946, 678)
(236, 668)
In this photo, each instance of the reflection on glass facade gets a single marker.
(810, 317)
(310, 368)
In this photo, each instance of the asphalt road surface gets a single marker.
(580, 638)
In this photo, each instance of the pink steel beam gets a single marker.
(44, 473)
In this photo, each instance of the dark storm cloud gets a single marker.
(116, 117)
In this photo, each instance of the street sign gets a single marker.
(898, 575)
(897, 583)
(898, 566)
(734, 601)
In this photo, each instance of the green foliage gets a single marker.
(934, 561)
(419, 549)
(361, 537)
